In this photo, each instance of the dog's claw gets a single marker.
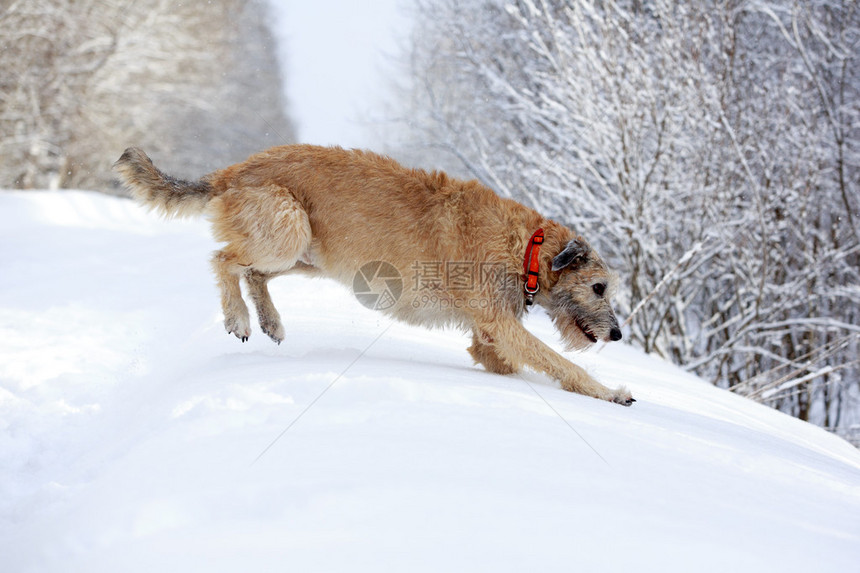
(273, 329)
(624, 398)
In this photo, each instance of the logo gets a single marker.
(377, 285)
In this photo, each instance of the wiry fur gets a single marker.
(170, 196)
(329, 211)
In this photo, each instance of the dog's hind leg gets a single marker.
(270, 320)
(269, 231)
(228, 269)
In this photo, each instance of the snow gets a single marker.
(135, 435)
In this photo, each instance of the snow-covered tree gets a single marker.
(710, 149)
(194, 82)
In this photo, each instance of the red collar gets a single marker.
(531, 266)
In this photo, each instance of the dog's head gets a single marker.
(579, 303)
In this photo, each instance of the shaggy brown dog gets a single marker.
(366, 221)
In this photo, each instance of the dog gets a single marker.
(476, 260)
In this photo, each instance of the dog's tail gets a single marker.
(168, 195)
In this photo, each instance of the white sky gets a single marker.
(338, 56)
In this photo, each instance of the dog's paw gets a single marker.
(622, 396)
(274, 329)
(238, 327)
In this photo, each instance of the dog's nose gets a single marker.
(615, 334)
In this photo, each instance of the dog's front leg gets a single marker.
(518, 347)
(483, 352)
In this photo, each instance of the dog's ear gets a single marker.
(574, 255)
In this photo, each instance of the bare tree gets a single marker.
(193, 82)
(710, 147)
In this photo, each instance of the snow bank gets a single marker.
(135, 435)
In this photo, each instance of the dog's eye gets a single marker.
(599, 289)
